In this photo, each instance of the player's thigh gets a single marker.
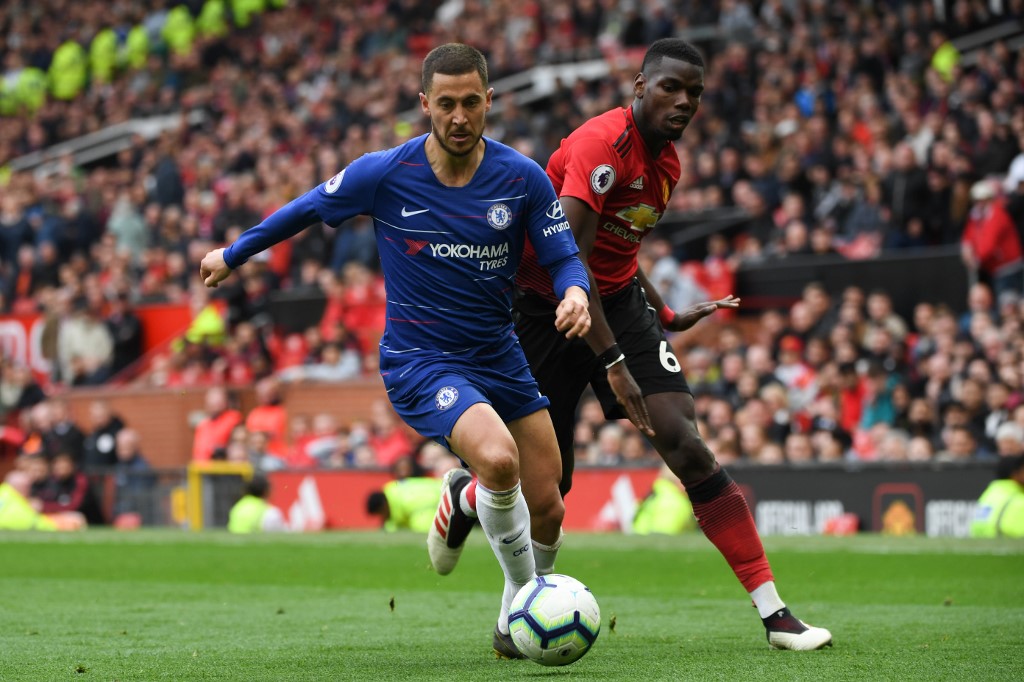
(540, 466)
(562, 367)
(539, 463)
(483, 441)
(651, 360)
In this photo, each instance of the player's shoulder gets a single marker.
(410, 152)
(609, 126)
(501, 154)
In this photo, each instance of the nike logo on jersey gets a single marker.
(406, 214)
(509, 541)
(638, 183)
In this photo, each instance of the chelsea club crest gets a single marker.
(446, 397)
(499, 216)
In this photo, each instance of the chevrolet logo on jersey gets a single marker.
(640, 218)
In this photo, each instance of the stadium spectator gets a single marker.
(214, 429)
(18, 388)
(991, 244)
(98, 448)
(64, 434)
(125, 330)
(269, 416)
(85, 347)
(334, 365)
(68, 490)
(17, 512)
(134, 480)
(388, 438)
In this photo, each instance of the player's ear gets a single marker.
(639, 83)
(490, 95)
(424, 104)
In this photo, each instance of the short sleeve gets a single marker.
(592, 170)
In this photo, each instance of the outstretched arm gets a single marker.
(681, 321)
(283, 223)
(601, 339)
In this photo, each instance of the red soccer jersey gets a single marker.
(606, 164)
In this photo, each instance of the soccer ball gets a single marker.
(554, 619)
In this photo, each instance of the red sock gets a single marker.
(471, 494)
(725, 518)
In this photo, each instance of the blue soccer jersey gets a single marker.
(449, 254)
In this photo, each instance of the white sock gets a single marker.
(464, 503)
(766, 599)
(505, 520)
(544, 555)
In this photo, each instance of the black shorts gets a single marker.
(563, 368)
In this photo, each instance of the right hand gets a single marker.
(213, 270)
(628, 394)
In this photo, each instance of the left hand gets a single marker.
(573, 313)
(698, 311)
(213, 270)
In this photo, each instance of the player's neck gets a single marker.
(654, 142)
(451, 170)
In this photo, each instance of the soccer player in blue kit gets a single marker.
(451, 212)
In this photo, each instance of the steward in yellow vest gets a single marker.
(666, 510)
(1000, 510)
(406, 503)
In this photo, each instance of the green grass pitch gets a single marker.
(169, 605)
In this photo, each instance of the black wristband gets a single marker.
(610, 356)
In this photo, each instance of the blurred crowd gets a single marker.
(845, 128)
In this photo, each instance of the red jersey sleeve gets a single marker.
(591, 169)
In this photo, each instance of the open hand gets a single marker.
(698, 311)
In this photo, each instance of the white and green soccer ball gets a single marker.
(554, 619)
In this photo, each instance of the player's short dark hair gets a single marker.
(673, 48)
(453, 59)
(258, 486)
(375, 502)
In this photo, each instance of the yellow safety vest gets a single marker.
(178, 30)
(1000, 511)
(17, 514)
(667, 510)
(136, 48)
(103, 56)
(68, 70)
(213, 19)
(412, 502)
(247, 515)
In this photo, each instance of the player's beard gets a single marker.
(454, 152)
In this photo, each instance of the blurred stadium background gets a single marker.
(855, 174)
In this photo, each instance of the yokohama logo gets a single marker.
(468, 250)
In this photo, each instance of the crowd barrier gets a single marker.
(932, 499)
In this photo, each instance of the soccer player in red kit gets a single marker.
(614, 176)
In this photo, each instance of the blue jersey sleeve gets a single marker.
(351, 192)
(551, 235)
(347, 194)
(283, 223)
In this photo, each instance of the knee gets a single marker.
(690, 458)
(549, 510)
(499, 468)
